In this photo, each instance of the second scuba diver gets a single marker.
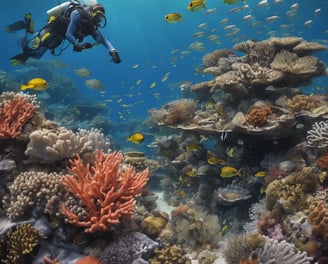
(74, 24)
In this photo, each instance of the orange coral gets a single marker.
(258, 116)
(318, 218)
(323, 161)
(106, 189)
(89, 260)
(13, 116)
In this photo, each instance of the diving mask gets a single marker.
(100, 18)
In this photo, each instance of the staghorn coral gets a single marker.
(106, 190)
(20, 241)
(317, 136)
(318, 218)
(282, 253)
(170, 254)
(29, 189)
(257, 116)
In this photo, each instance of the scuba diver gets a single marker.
(74, 23)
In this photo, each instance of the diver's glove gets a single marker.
(81, 47)
(115, 56)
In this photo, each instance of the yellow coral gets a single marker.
(20, 242)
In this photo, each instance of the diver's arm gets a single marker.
(100, 38)
(73, 25)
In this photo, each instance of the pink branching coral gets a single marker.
(106, 189)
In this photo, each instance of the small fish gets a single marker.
(198, 34)
(317, 11)
(215, 161)
(229, 172)
(135, 66)
(196, 5)
(232, 2)
(136, 138)
(193, 147)
(138, 82)
(247, 17)
(229, 27)
(94, 84)
(224, 136)
(203, 25)
(192, 172)
(152, 85)
(224, 230)
(294, 6)
(262, 3)
(231, 151)
(182, 193)
(210, 11)
(272, 18)
(37, 84)
(83, 72)
(173, 18)
(307, 23)
(260, 174)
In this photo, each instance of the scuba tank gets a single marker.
(57, 10)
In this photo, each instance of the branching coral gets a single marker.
(317, 136)
(258, 116)
(20, 241)
(106, 190)
(13, 116)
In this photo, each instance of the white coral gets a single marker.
(282, 253)
(317, 136)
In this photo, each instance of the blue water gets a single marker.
(138, 31)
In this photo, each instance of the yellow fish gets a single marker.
(136, 138)
(173, 18)
(37, 84)
(196, 5)
(228, 172)
(193, 147)
(232, 2)
(215, 161)
(230, 152)
(191, 173)
(224, 230)
(260, 174)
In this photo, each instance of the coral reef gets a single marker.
(14, 114)
(170, 254)
(31, 189)
(106, 190)
(318, 218)
(317, 136)
(49, 145)
(18, 243)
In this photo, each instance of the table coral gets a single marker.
(106, 190)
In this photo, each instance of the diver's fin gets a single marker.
(19, 59)
(16, 26)
(29, 23)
